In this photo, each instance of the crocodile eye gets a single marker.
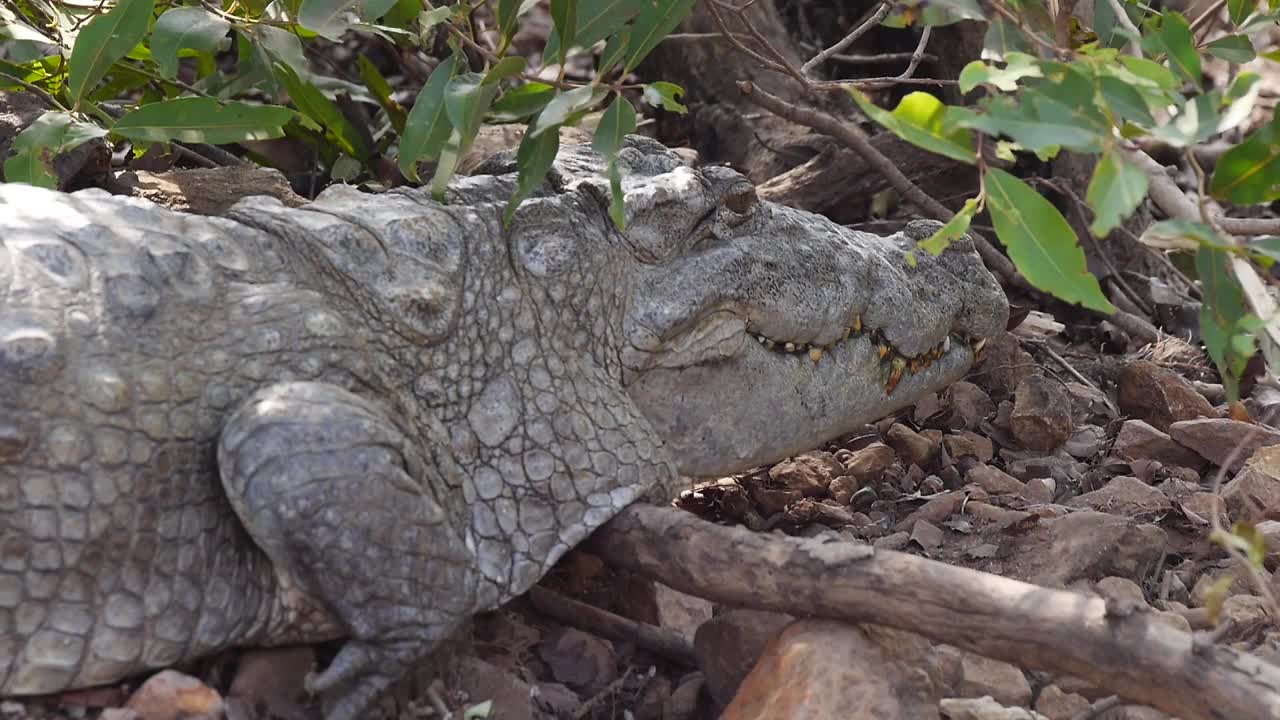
(742, 200)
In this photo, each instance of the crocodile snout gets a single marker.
(817, 330)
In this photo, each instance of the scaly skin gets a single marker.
(372, 417)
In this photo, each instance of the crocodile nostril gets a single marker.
(742, 200)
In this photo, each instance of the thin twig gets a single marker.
(1053, 354)
(1122, 17)
(872, 21)
(1209, 13)
(878, 59)
(586, 707)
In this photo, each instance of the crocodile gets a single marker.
(368, 418)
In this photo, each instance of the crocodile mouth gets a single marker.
(894, 363)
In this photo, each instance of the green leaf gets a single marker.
(955, 228)
(564, 15)
(466, 99)
(313, 104)
(507, 17)
(1117, 186)
(1268, 246)
(1249, 173)
(104, 40)
(1181, 46)
(1178, 234)
(381, 89)
(39, 144)
(507, 67)
(521, 103)
(614, 50)
(1238, 10)
(203, 120)
(665, 95)
(1232, 48)
(428, 126)
(565, 105)
(1149, 71)
(186, 27)
(534, 159)
(618, 122)
(656, 20)
(1196, 122)
(1003, 37)
(1041, 242)
(597, 20)
(1017, 67)
(13, 27)
(1221, 315)
(919, 119)
(428, 19)
(327, 18)
(1124, 101)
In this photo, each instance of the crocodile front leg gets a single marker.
(340, 500)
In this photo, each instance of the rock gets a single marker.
(1255, 490)
(984, 708)
(683, 703)
(1204, 504)
(894, 541)
(1085, 545)
(826, 670)
(1270, 531)
(1057, 704)
(680, 612)
(1086, 443)
(1004, 365)
(651, 703)
(1247, 614)
(1139, 440)
(979, 676)
(1204, 585)
(115, 713)
(926, 535)
(810, 473)
(981, 444)
(1039, 490)
(584, 662)
(1133, 712)
(957, 447)
(937, 509)
(1041, 417)
(1126, 496)
(994, 480)
(728, 644)
(842, 489)
(1121, 588)
(171, 695)
(273, 679)
(1159, 396)
(512, 697)
(914, 448)
(970, 405)
(1088, 405)
(1174, 620)
(867, 465)
(1215, 438)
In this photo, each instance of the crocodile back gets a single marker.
(127, 334)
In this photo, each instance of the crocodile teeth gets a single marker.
(884, 351)
(895, 375)
(946, 344)
(790, 347)
(915, 365)
(977, 348)
(815, 354)
(847, 333)
(856, 325)
(760, 338)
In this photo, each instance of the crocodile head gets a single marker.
(752, 331)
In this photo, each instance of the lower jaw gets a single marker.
(760, 406)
